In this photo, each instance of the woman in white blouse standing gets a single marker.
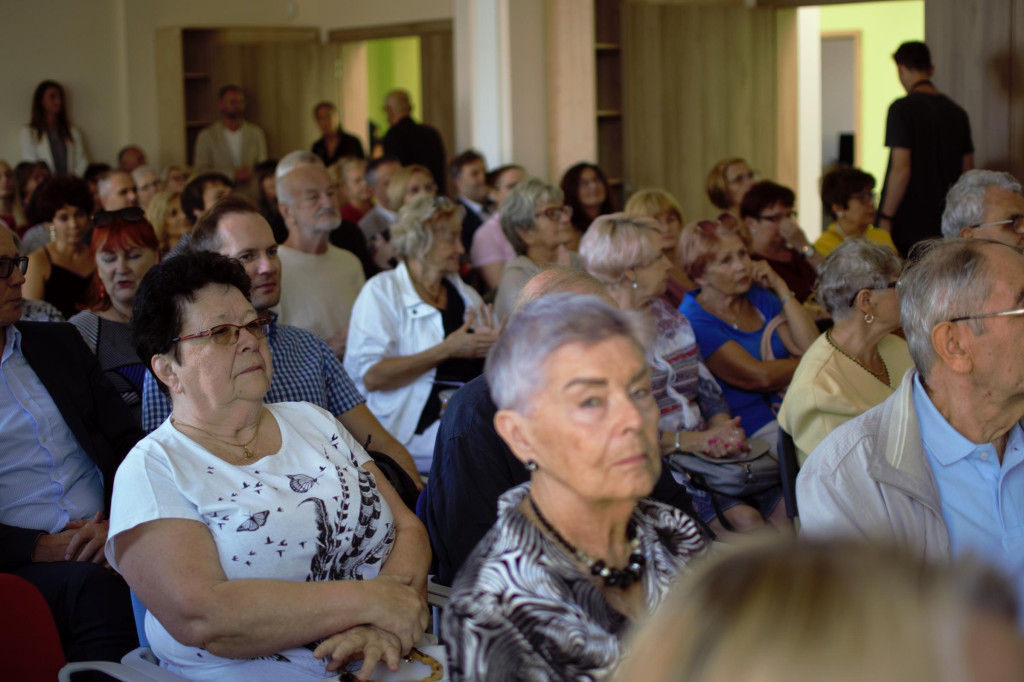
(418, 329)
(49, 137)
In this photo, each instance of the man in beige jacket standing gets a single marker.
(232, 145)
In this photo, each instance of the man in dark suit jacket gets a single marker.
(412, 142)
(469, 176)
(65, 431)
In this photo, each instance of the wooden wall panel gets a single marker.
(170, 96)
(972, 45)
(437, 73)
(700, 86)
(571, 88)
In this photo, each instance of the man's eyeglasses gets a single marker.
(7, 266)
(129, 214)
(227, 334)
(981, 316)
(1016, 224)
(890, 285)
(555, 213)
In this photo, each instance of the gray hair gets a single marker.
(107, 179)
(617, 242)
(943, 279)
(515, 366)
(854, 265)
(518, 212)
(291, 161)
(412, 234)
(138, 172)
(965, 201)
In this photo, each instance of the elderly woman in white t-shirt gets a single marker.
(418, 329)
(262, 538)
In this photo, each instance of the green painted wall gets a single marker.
(390, 64)
(883, 26)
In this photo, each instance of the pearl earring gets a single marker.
(531, 465)
(635, 285)
(840, 214)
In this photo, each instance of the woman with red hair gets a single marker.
(126, 248)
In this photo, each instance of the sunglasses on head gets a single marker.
(130, 214)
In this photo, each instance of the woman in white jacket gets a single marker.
(418, 329)
(49, 136)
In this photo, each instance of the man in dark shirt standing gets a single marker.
(412, 142)
(929, 137)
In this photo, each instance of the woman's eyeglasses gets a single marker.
(555, 213)
(7, 266)
(227, 334)
(890, 285)
(129, 214)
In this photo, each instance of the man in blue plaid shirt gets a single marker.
(305, 367)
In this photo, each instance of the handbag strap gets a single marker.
(698, 481)
(766, 337)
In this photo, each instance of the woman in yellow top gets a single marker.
(849, 197)
(857, 363)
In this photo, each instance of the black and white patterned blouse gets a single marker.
(521, 608)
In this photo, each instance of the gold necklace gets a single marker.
(877, 375)
(246, 452)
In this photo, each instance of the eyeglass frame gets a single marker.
(21, 262)
(1006, 313)
(1018, 219)
(565, 210)
(791, 215)
(262, 324)
(890, 285)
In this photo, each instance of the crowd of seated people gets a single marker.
(293, 390)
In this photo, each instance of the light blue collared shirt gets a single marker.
(982, 501)
(46, 478)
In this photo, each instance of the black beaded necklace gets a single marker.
(613, 577)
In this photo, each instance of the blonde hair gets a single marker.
(717, 185)
(158, 210)
(617, 242)
(399, 183)
(346, 163)
(809, 611)
(652, 202)
(412, 234)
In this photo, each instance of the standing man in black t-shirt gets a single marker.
(929, 138)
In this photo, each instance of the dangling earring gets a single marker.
(103, 291)
(531, 465)
(53, 232)
(869, 318)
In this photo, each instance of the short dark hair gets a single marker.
(464, 159)
(204, 234)
(913, 55)
(374, 164)
(128, 148)
(495, 174)
(94, 171)
(321, 105)
(167, 288)
(764, 194)
(192, 195)
(55, 194)
(840, 184)
(225, 89)
(570, 186)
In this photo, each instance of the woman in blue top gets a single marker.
(737, 299)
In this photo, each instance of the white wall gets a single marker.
(809, 115)
(103, 51)
(71, 42)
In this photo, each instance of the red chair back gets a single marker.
(30, 647)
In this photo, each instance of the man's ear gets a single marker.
(511, 426)
(952, 344)
(165, 370)
(284, 209)
(966, 232)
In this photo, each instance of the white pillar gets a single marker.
(809, 116)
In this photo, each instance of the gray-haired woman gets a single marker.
(536, 222)
(579, 551)
(858, 363)
(418, 329)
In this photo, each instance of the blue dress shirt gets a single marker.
(46, 478)
(982, 500)
(305, 369)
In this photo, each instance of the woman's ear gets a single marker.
(165, 370)
(511, 426)
(527, 236)
(837, 210)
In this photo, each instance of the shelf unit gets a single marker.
(609, 97)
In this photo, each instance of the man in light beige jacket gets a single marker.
(232, 145)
